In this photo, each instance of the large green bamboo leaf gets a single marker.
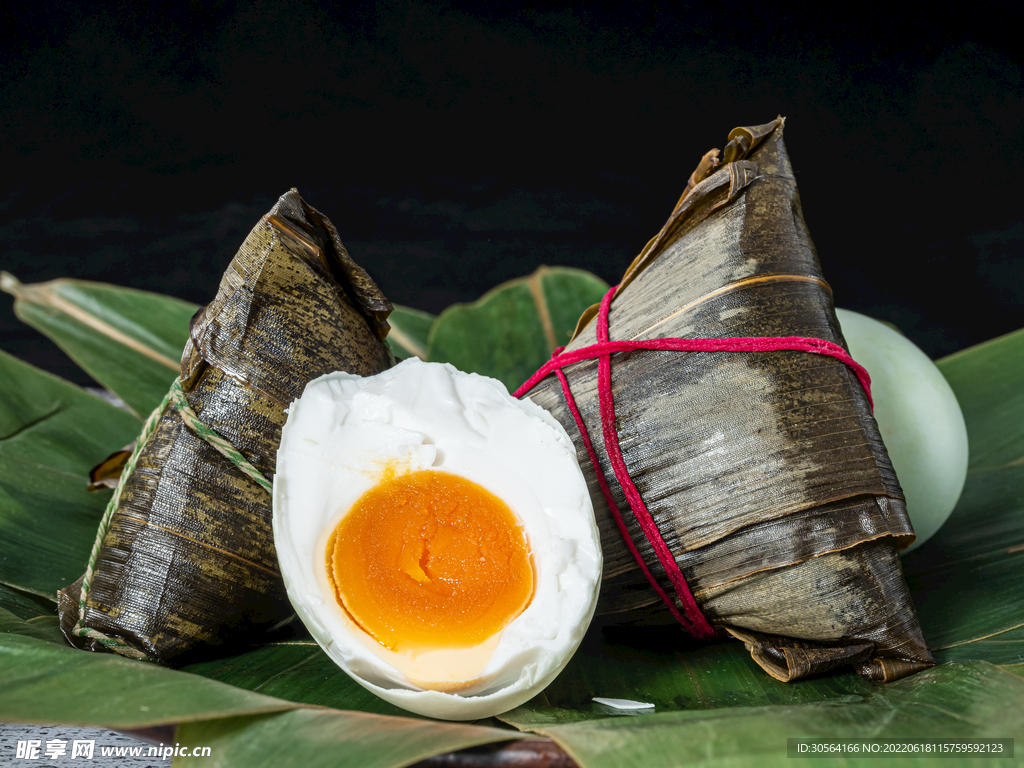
(49, 682)
(296, 670)
(25, 605)
(512, 330)
(51, 434)
(967, 580)
(307, 738)
(954, 700)
(19, 616)
(1003, 648)
(664, 667)
(129, 341)
(986, 379)
(410, 332)
(970, 599)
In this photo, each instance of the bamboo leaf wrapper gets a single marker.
(187, 559)
(764, 472)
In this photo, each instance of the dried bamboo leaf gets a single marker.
(188, 557)
(764, 472)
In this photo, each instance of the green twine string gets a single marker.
(175, 396)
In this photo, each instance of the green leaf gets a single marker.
(664, 667)
(968, 600)
(129, 341)
(966, 580)
(955, 700)
(512, 330)
(43, 626)
(410, 332)
(296, 670)
(47, 682)
(987, 381)
(307, 738)
(1003, 648)
(25, 605)
(51, 434)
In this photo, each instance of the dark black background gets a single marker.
(456, 145)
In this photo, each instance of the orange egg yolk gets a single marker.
(428, 560)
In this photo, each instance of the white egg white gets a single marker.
(341, 437)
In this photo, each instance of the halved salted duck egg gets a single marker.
(436, 536)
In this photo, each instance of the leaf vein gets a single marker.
(293, 667)
(60, 407)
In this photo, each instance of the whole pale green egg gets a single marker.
(919, 418)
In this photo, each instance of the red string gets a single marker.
(694, 621)
(606, 491)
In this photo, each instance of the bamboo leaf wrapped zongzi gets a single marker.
(185, 555)
(763, 502)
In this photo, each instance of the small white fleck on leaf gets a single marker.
(622, 703)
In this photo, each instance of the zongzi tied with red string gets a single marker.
(749, 488)
(185, 557)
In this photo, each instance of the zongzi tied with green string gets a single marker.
(739, 478)
(185, 556)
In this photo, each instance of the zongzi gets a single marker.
(736, 435)
(184, 556)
